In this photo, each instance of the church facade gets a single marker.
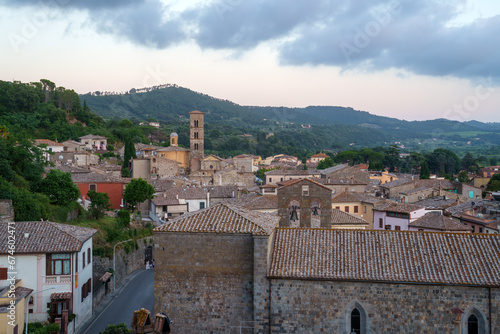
(226, 269)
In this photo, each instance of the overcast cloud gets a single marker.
(362, 35)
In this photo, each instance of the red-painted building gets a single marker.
(103, 184)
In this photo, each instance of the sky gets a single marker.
(412, 60)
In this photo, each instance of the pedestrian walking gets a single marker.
(147, 265)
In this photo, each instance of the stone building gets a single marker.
(226, 269)
(196, 139)
(304, 203)
(221, 246)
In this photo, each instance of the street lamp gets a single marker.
(28, 298)
(114, 262)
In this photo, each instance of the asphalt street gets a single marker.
(131, 296)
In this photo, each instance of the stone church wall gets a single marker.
(307, 306)
(204, 281)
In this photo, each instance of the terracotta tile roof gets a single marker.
(386, 256)
(48, 142)
(264, 202)
(345, 197)
(172, 196)
(437, 221)
(367, 198)
(290, 172)
(172, 148)
(92, 177)
(459, 209)
(340, 181)
(333, 169)
(46, 237)
(416, 190)
(320, 155)
(395, 183)
(92, 137)
(222, 218)
(437, 202)
(60, 295)
(290, 182)
(435, 183)
(196, 112)
(269, 186)
(340, 217)
(397, 207)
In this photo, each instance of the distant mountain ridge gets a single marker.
(172, 103)
(164, 101)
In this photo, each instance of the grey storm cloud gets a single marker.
(365, 35)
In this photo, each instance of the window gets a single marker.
(365, 208)
(397, 228)
(281, 179)
(387, 227)
(202, 205)
(58, 264)
(83, 260)
(472, 325)
(398, 215)
(380, 222)
(473, 228)
(480, 230)
(355, 209)
(305, 190)
(196, 135)
(92, 187)
(346, 208)
(3, 274)
(337, 207)
(355, 321)
(196, 123)
(76, 262)
(195, 146)
(89, 256)
(31, 300)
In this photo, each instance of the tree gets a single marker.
(424, 171)
(59, 187)
(129, 153)
(100, 203)
(138, 191)
(463, 177)
(494, 183)
(116, 329)
(469, 163)
(325, 163)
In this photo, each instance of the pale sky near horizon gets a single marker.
(412, 60)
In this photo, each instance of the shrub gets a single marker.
(124, 218)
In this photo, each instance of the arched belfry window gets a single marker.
(294, 213)
(356, 319)
(474, 322)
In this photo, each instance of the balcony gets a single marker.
(57, 279)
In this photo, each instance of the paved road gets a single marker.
(137, 293)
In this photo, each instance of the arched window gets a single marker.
(356, 318)
(355, 321)
(472, 325)
(474, 322)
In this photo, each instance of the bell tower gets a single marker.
(196, 139)
(174, 139)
